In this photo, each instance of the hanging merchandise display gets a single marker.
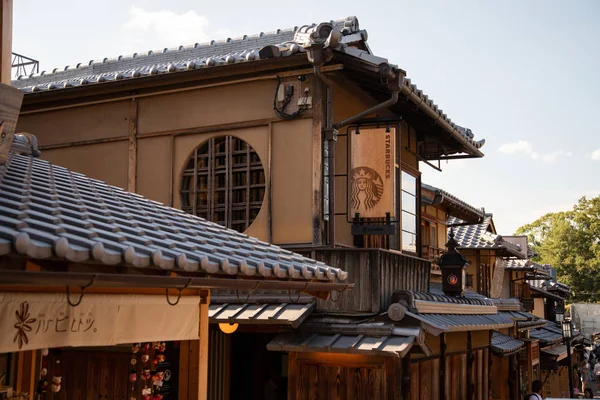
(146, 391)
(135, 349)
(158, 374)
(42, 387)
(56, 378)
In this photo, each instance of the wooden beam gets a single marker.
(132, 164)
(6, 7)
(203, 346)
(26, 374)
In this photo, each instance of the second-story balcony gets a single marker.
(376, 274)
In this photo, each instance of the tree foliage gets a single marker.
(570, 242)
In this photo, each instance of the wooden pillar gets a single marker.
(470, 361)
(317, 159)
(193, 358)
(26, 373)
(6, 7)
(203, 344)
(443, 366)
(132, 164)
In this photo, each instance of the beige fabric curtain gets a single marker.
(45, 320)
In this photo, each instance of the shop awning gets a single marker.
(557, 352)
(393, 346)
(30, 321)
(524, 319)
(550, 333)
(503, 345)
(281, 314)
(439, 323)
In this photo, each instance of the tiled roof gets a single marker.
(547, 335)
(511, 304)
(48, 211)
(558, 351)
(459, 208)
(545, 293)
(478, 236)
(260, 314)
(439, 323)
(394, 346)
(280, 43)
(504, 345)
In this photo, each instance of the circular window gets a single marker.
(224, 182)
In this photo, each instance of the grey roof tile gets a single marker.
(394, 346)
(478, 236)
(438, 323)
(216, 53)
(180, 58)
(49, 211)
(476, 214)
(504, 345)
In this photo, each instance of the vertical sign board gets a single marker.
(372, 173)
(10, 105)
(497, 279)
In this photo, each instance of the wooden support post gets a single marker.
(443, 371)
(193, 358)
(133, 128)
(26, 373)
(317, 149)
(203, 344)
(470, 361)
(6, 7)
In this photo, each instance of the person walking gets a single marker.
(536, 387)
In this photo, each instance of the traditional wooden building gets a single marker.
(306, 139)
(144, 271)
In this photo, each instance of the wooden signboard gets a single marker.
(372, 173)
(497, 279)
(10, 105)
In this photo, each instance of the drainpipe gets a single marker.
(317, 58)
(331, 138)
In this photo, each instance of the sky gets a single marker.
(524, 75)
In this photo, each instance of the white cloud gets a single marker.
(552, 157)
(159, 29)
(517, 147)
(595, 155)
(524, 147)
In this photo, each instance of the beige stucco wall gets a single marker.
(101, 121)
(538, 307)
(104, 161)
(171, 126)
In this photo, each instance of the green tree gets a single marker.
(570, 242)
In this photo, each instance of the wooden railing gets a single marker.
(376, 274)
(516, 290)
(432, 253)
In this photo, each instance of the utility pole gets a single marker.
(6, 10)
(10, 98)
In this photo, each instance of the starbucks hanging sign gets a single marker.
(372, 172)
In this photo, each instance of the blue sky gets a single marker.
(521, 74)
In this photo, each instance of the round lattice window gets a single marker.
(224, 182)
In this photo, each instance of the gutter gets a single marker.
(62, 279)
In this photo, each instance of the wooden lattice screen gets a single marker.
(224, 182)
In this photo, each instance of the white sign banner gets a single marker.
(31, 321)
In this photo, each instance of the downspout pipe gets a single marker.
(390, 102)
(331, 140)
(317, 58)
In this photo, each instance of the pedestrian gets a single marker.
(587, 393)
(536, 387)
(597, 373)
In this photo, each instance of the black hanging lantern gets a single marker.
(453, 265)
